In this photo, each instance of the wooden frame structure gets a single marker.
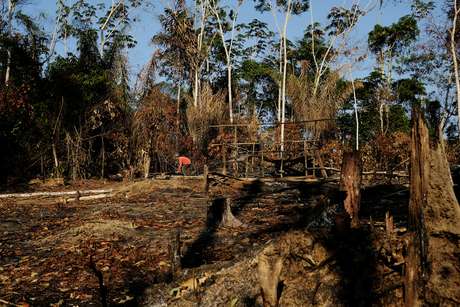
(262, 152)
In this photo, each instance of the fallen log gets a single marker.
(91, 197)
(55, 194)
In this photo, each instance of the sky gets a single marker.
(148, 23)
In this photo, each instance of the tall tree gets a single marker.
(286, 8)
(227, 44)
(388, 43)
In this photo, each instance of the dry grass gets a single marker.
(210, 110)
(324, 103)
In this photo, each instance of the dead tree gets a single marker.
(350, 182)
(416, 257)
(432, 267)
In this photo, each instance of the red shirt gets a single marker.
(183, 161)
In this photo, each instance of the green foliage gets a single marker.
(394, 38)
(342, 19)
(369, 122)
(409, 90)
(297, 6)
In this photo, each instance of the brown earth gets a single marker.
(47, 247)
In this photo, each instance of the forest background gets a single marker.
(98, 88)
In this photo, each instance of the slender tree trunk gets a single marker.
(178, 116)
(453, 51)
(55, 158)
(283, 101)
(229, 83)
(283, 90)
(355, 107)
(279, 81)
(195, 90)
(178, 107)
(11, 7)
(65, 41)
(228, 54)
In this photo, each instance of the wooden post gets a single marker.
(262, 160)
(205, 178)
(247, 167)
(321, 165)
(350, 182)
(305, 157)
(224, 159)
(314, 161)
(282, 164)
(235, 152)
(252, 157)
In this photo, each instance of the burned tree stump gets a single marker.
(228, 219)
(432, 270)
(269, 265)
(389, 224)
(350, 182)
(175, 253)
(222, 215)
(416, 249)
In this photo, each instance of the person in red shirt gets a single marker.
(184, 165)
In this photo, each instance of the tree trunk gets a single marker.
(432, 270)
(453, 51)
(279, 82)
(350, 182)
(418, 188)
(146, 164)
(355, 108)
(11, 7)
(283, 93)
(283, 89)
(178, 116)
(56, 161)
(229, 84)
(195, 90)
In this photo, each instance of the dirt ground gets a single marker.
(118, 250)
